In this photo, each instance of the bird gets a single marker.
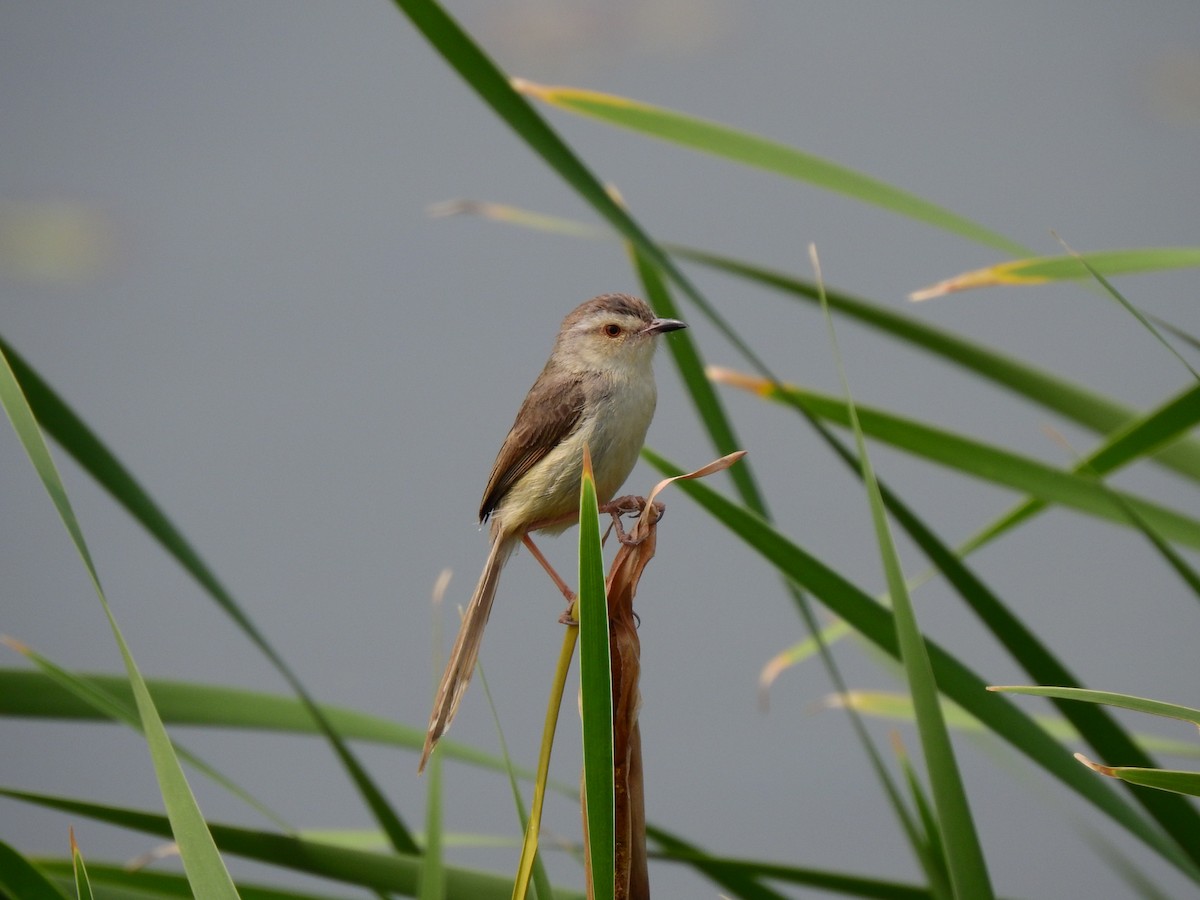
(596, 389)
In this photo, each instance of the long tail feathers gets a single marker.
(461, 665)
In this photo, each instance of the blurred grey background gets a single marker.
(214, 243)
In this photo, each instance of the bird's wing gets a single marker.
(559, 407)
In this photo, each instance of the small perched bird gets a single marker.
(597, 389)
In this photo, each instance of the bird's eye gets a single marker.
(612, 329)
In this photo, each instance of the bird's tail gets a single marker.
(461, 665)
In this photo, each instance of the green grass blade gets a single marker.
(111, 707)
(114, 882)
(964, 857)
(392, 872)
(875, 623)
(1098, 728)
(898, 707)
(712, 414)
(1041, 269)
(61, 423)
(705, 399)
(1108, 698)
(28, 694)
(739, 877)
(203, 864)
(83, 885)
(734, 879)
(987, 461)
(21, 879)
(1160, 779)
(1139, 438)
(1142, 320)
(1073, 402)
(761, 153)
(595, 678)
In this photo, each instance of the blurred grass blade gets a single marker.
(898, 707)
(1108, 698)
(1176, 782)
(83, 887)
(712, 414)
(761, 153)
(112, 707)
(392, 872)
(114, 882)
(964, 857)
(1041, 269)
(32, 695)
(978, 459)
(1130, 308)
(1097, 727)
(595, 679)
(933, 850)
(738, 876)
(61, 423)
(705, 399)
(1074, 402)
(1140, 438)
(734, 879)
(21, 879)
(875, 623)
(203, 864)
(529, 846)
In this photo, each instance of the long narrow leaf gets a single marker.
(395, 872)
(595, 680)
(956, 826)
(73, 434)
(1042, 269)
(22, 879)
(981, 460)
(875, 623)
(1072, 401)
(761, 153)
(205, 868)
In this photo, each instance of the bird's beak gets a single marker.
(658, 326)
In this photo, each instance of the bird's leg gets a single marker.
(569, 594)
(626, 505)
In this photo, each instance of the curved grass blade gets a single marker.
(898, 707)
(74, 436)
(1143, 320)
(1178, 819)
(113, 881)
(875, 623)
(205, 869)
(739, 876)
(1041, 269)
(978, 459)
(29, 694)
(1108, 698)
(1139, 438)
(712, 414)
(955, 826)
(1174, 781)
(761, 153)
(595, 679)
(1073, 402)
(529, 846)
(111, 707)
(394, 872)
(22, 879)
